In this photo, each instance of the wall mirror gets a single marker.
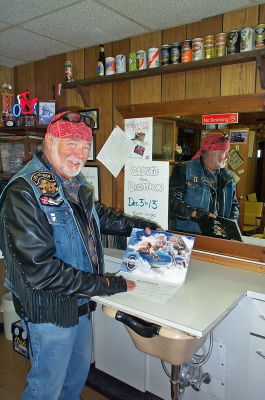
(180, 123)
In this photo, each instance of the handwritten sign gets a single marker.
(146, 190)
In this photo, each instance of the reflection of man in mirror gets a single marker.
(203, 187)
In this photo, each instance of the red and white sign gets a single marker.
(231, 118)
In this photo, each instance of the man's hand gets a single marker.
(130, 285)
(211, 215)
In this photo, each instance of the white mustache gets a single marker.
(75, 160)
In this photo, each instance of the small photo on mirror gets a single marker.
(93, 114)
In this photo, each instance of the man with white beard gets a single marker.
(202, 188)
(51, 242)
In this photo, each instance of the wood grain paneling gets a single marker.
(204, 83)
(239, 79)
(261, 21)
(24, 78)
(101, 97)
(73, 98)
(56, 75)
(147, 89)
(173, 85)
(42, 89)
(91, 59)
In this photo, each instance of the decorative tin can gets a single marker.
(68, 71)
(120, 63)
(153, 57)
(186, 51)
(165, 56)
(220, 44)
(247, 39)
(110, 65)
(141, 59)
(175, 53)
(209, 46)
(233, 42)
(132, 62)
(259, 36)
(197, 49)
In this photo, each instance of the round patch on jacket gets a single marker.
(55, 201)
(46, 182)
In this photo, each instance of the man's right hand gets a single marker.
(130, 285)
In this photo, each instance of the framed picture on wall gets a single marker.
(92, 113)
(91, 175)
(46, 111)
(92, 153)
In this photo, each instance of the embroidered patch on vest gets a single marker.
(55, 201)
(46, 182)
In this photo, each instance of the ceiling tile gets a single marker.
(85, 24)
(17, 43)
(10, 62)
(3, 25)
(161, 14)
(14, 11)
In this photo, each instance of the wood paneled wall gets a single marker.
(42, 76)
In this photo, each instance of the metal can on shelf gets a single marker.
(220, 44)
(246, 39)
(209, 46)
(141, 59)
(259, 36)
(132, 62)
(165, 56)
(197, 49)
(120, 60)
(233, 42)
(153, 57)
(175, 53)
(110, 65)
(68, 71)
(186, 51)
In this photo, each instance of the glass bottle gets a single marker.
(101, 61)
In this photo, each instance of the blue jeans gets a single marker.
(60, 360)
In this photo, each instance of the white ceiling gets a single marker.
(31, 30)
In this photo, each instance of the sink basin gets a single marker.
(168, 344)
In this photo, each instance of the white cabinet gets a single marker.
(114, 351)
(256, 364)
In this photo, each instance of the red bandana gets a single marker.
(213, 141)
(67, 129)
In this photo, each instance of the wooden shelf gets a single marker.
(23, 132)
(82, 85)
(189, 66)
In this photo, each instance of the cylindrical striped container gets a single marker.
(153, 57)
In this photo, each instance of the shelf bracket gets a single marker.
(84, 93)
(261, 68)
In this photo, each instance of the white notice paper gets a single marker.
(146, 190)
(115, 151)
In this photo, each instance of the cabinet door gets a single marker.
(115, 353)
(256, 365)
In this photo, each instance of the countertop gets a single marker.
(210, 292)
